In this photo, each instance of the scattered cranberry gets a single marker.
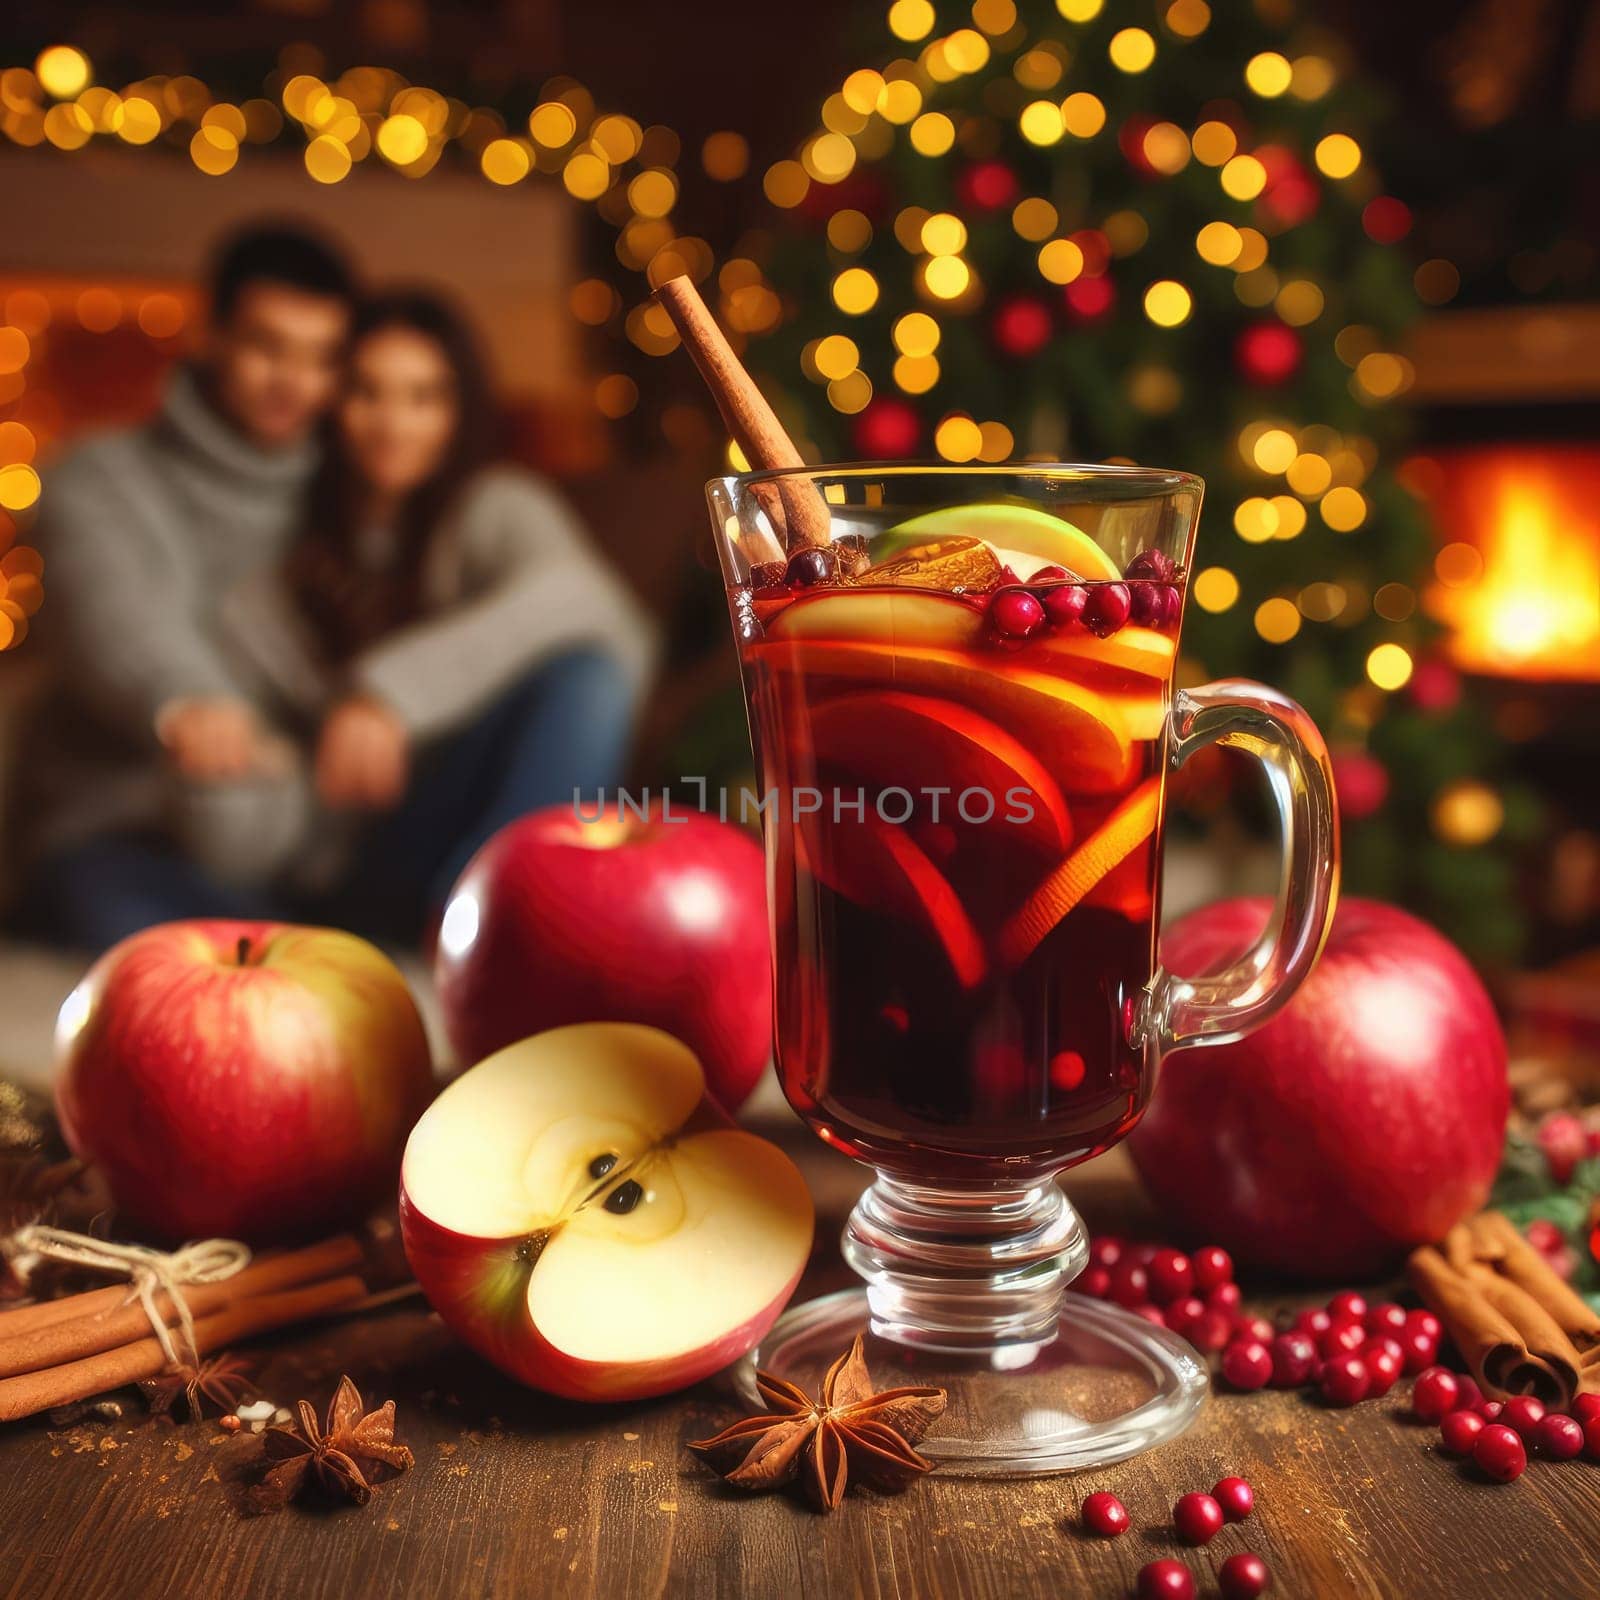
(1198, 1518)
(1151, 1313)
(1294, 1357)
(1343, 1339)
(1235, 1496)
(1471, 1394)
(1171, 1275)
(1489, 1410)
(1243, 1576)
(1093, 1281)
(1130, 1284)
(1384, 1368)
(1387, 1318)
(1107, 608)
(1586, 1407)
(1141, 1255)
(1523, 1413)
(1212, 1266)
(1064, 604)
(1558, 1436)
(813, 565)
(1345, 1380)
(1105, 1251)
(1591, 1438)
(1500, 1453)
(1382, 1343)
(1051, 574)
(1256, 1328)
(1427, 1322)
(1016, 613)
(1315, 1322)
(1226, 1297)
(1155, 564)
(1434, 1393)
(1184, 1313)
(1348, 1307)
(1459, 1430)
(1247, 1364)
(1164, 1580)
(1420, 1348)
(1211, 1330)
(1105, 1515)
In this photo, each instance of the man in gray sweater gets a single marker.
(144, 533)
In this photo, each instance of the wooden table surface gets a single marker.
(514, 1494)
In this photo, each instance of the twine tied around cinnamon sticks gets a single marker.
(148, 1272)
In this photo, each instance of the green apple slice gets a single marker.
(1022, 536)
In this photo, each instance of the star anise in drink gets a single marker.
(343, 1456)
(223, 1380)
(851, 1434)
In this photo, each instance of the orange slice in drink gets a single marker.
(1122, 832)
(918, 741)
(878, 864)
(1078, 734)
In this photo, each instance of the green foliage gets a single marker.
(1525, 1192)
(1119, 386)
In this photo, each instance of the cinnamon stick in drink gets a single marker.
(114, 1319)
(33, 1392)
(752, 422)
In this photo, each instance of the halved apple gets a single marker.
(878, 616)
(580, 1213)
(1023, 536)
(915, 741)
(1078, 734)
(878, 864)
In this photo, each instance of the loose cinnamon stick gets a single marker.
(1498, 1239)
(114, 1322)
(746, 413)
(142, 1358)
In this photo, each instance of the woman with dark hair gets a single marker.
(440, 652)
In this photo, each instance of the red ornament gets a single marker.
(1291, 195)
(1386, 219)
(1435, 686)
(1362, 781)
(1090, 299)
(1268, 354)
(1022, 325)
(987, 185)
(887, 430)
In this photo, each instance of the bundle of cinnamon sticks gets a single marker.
(58, 1351)
(1519, 1327)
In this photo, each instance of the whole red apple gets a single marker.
(244, 1080)
(663, 922)
(1366, 1118)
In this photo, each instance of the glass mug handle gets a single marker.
(1220, 1007)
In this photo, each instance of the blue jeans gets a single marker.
(565, 726)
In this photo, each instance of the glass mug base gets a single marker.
(1104, 1386)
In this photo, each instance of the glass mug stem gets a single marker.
(984, 1269)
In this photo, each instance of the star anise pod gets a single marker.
(223, 1380)
(341, 1457)
(850, 1433)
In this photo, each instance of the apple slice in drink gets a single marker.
(878, 864)
(914, 741)
(580, 1213)
(1143, 652)
(1022, 537)
(880, 616)
(1077, 734)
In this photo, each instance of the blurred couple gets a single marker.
(313, 646)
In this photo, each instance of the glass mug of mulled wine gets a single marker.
(963, 713)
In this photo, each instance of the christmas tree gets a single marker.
(1151, 230)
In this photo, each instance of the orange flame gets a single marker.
(1533, 515)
